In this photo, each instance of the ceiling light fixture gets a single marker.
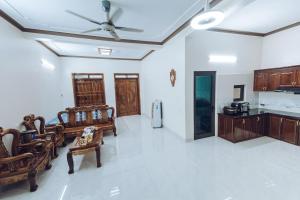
(222, 59)
(105, 52)
(207, 19)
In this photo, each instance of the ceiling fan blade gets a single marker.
(92, 30)
(117, 14)
(83, 17)
(129, 29)
(115, 35)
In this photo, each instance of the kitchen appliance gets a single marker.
(157, 114)
(242, 107)
(228, 110)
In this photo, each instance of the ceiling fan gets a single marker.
(108, 25)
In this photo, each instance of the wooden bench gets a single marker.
(74, 120)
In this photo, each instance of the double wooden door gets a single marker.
(127, 94)
(88, 89)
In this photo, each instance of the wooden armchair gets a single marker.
(55, 132)
(24, 161)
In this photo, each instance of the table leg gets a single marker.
(98, 156)
(70, 162)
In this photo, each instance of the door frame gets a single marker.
(127, 76)
(87, 74)
(213, 98)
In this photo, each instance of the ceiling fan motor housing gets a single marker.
(106, 5)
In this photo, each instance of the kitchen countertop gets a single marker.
(255, 112)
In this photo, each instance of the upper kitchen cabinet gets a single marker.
(260, 80)
(277, 78)
(287, 77)
(273, 80)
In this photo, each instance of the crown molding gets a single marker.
(213, 3)
(93, 57)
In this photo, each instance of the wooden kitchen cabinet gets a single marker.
(287, 77)
(275, 126)
(258, 126)
(277, 78)
(290, 130)
(273, 81)
(261, 81)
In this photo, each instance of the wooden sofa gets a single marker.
(54, 131)
(24, 161)
(74, 120)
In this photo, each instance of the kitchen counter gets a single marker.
(256, 112)
(280, 125)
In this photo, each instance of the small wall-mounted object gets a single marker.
(239, 93)
(173, 77)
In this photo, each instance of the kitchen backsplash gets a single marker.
(282, 101)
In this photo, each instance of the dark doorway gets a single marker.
(204, 104)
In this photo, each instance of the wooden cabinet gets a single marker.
(290, 131)
(237, 129)
(275, 126)
(258, 126)
(287, 77)
(273, 79)
(241, 128)
(260, 81)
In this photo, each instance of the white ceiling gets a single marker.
(159, 18)
(263, 16)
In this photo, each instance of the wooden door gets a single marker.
(275, 126)
(274, 81)
(260, 81)
(127, 94)
(88, 89)
(289, 131)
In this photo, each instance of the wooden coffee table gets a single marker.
(77, 149)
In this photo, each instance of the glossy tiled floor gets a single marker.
(146, 164)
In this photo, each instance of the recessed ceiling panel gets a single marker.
(157, 17)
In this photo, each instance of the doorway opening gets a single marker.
(127, 90)
(204, 104)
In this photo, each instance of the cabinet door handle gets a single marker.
(258, 119)
(244, 121)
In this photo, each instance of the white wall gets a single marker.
(107, 67)
(199, 45)
(26, 86)
(280, 50)
(155, 76)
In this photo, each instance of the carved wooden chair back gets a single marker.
(86, 116)
(15, 135)
(30, 123)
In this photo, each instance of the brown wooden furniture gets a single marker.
(237, 129)
(53, 131)
(88, 89)
(244, 127)
(24, 161)
(127, 94)
(77, 149)
(273, 79)
(74, 120)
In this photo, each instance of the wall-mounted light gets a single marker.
(105, 52)
(222, 59)
(46, 64)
